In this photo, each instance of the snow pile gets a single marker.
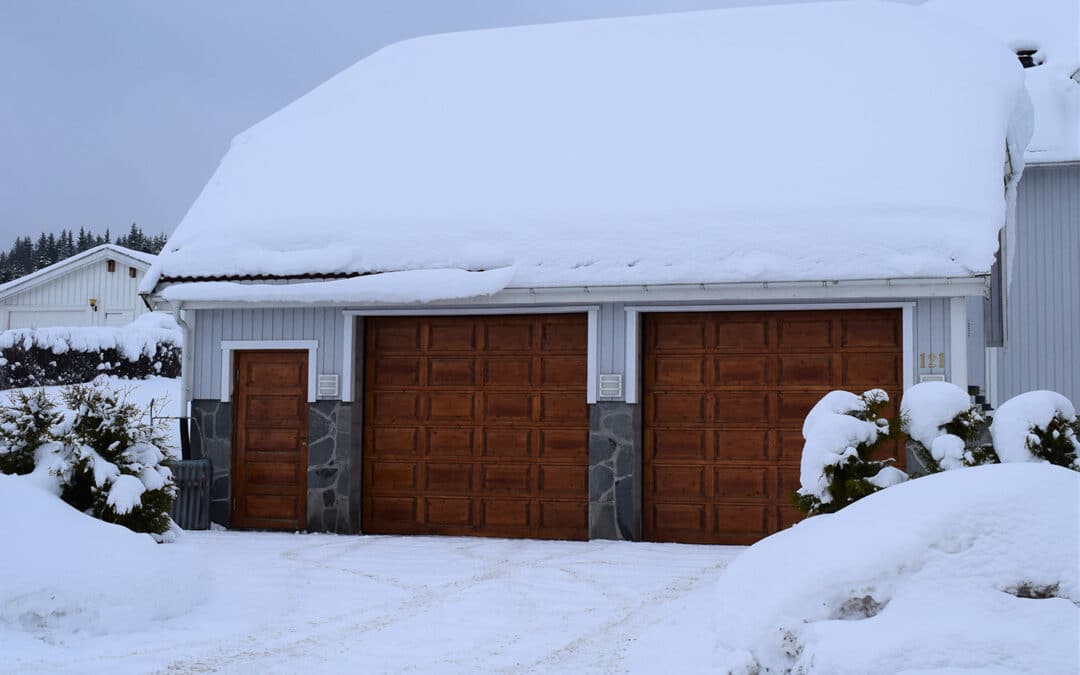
(719, 146)
(139, 338)
(926, 408)
(936, 574)
(833, 435)
(1052, 29)
(62, 571)
(1020, 416)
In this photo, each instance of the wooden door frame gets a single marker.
(235, 449)
(228, 377)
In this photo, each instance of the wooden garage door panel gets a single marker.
(270, 420)
(726, 395)
(476, 425)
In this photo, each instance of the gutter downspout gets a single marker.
(185, 381)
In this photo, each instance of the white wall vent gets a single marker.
(328, 386)
(611, 385)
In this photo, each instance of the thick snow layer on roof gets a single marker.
(1052, 27)
(801, 142)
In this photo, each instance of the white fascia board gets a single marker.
(824, 291)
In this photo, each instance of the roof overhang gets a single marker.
(757, 291)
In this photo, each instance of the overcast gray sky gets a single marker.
(118, 111)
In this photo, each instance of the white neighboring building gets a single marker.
(98, 287)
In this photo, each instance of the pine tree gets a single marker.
(114, 461)
(25, 425)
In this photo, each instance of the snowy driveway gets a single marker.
(285, 603)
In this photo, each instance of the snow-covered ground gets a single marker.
(284, 603)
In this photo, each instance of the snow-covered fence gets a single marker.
(149, 346)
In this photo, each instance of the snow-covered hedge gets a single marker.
(843, 432)
(149, 346)
(62, 571)
(935, 573)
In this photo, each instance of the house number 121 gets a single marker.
(932, 360)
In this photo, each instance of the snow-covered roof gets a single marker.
(799, 142)
(1052, 29)
(137, 259)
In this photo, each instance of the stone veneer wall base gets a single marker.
(614, 471)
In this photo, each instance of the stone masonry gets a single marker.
(328, 468)
(328, 477)
(614, 471)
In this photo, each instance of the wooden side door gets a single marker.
(270, 427)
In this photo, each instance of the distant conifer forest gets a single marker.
(26, 255)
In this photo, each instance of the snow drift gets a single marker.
(719, 146)
(62, 571)
(936, 573)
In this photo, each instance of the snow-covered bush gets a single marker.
(842, 432)
(149, 346)
(26, 425)
(111, 461)
(935, 573)
(1037, 425)
(943, 427)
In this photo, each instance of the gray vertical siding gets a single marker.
(1044, 297)
(309, 323)
(611, 350)
(326, 325)
(932, 327)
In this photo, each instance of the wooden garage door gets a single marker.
(476, 426)
(726, 394)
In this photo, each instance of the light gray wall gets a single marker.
(326, 325)
(1044, 298)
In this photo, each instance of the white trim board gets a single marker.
(348, 365)
(633, 342)
(958, 342)
(229, 346)
(850, 290)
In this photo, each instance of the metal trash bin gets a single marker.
(191, 510)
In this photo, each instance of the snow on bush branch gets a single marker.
(1038, 425)
(943, 426)
(98, 453)
(843, 432)
(944, 430)
(148, 346)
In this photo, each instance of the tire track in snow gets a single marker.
(630, 621)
